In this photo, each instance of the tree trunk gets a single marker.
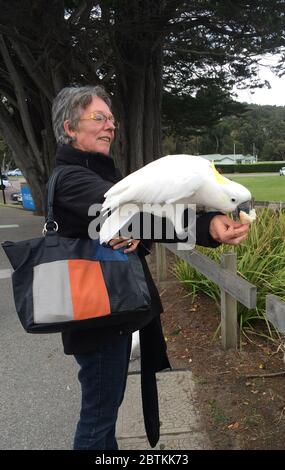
(32, 71)
(152, 116)
(140, 113)
(179, 146)
(217, 143)
(24, 158)
(138, 67)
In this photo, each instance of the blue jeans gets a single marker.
(103, 375)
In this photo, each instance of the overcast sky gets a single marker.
(273, 96)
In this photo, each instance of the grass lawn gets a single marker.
(264, 188)
(15, 178)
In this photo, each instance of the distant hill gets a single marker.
(258, 131)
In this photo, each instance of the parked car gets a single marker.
(17, 197)
(282, 171)
(16, 172)
(5, 181)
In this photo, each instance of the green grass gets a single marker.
(14, 206)
(15, 178)
(217, 412)
(264, 188)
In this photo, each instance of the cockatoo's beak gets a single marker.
(244, 206)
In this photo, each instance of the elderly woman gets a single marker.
(84, 128)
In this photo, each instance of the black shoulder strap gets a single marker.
(50, 223)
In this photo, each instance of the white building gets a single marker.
(230, 159)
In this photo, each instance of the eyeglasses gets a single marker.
(100, 118)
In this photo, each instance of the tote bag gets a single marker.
(61, 283)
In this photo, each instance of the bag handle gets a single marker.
(50, 224)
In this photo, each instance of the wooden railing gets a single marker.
(275, 312)
(233, 287)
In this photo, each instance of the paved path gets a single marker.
(39, 393)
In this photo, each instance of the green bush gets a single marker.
(260, 260)
(250, 167)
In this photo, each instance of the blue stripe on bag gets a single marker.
(106, 253)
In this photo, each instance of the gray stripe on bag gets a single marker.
(51, 293)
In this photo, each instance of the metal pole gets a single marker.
(253, 151)
(2, 187)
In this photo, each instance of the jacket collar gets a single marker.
(94, 161)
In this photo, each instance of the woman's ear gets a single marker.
(69, 131)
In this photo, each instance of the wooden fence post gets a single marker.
(161, 265)
(275, 311)
(228, 307)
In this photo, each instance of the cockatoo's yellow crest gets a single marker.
(220, 179)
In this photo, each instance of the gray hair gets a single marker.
(68, 106)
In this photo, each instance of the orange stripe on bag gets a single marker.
(88, 290)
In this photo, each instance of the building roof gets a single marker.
(218, 157)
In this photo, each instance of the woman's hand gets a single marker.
(120, 242)
(228, 231)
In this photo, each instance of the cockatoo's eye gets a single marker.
(233, 199)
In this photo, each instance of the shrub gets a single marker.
(250, 167)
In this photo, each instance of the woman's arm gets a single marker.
(77, 190)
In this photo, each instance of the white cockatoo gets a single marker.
(172, 180)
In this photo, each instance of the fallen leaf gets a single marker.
(235, 425)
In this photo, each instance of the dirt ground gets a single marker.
(239, 411)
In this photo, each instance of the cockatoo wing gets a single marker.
(118, 219)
